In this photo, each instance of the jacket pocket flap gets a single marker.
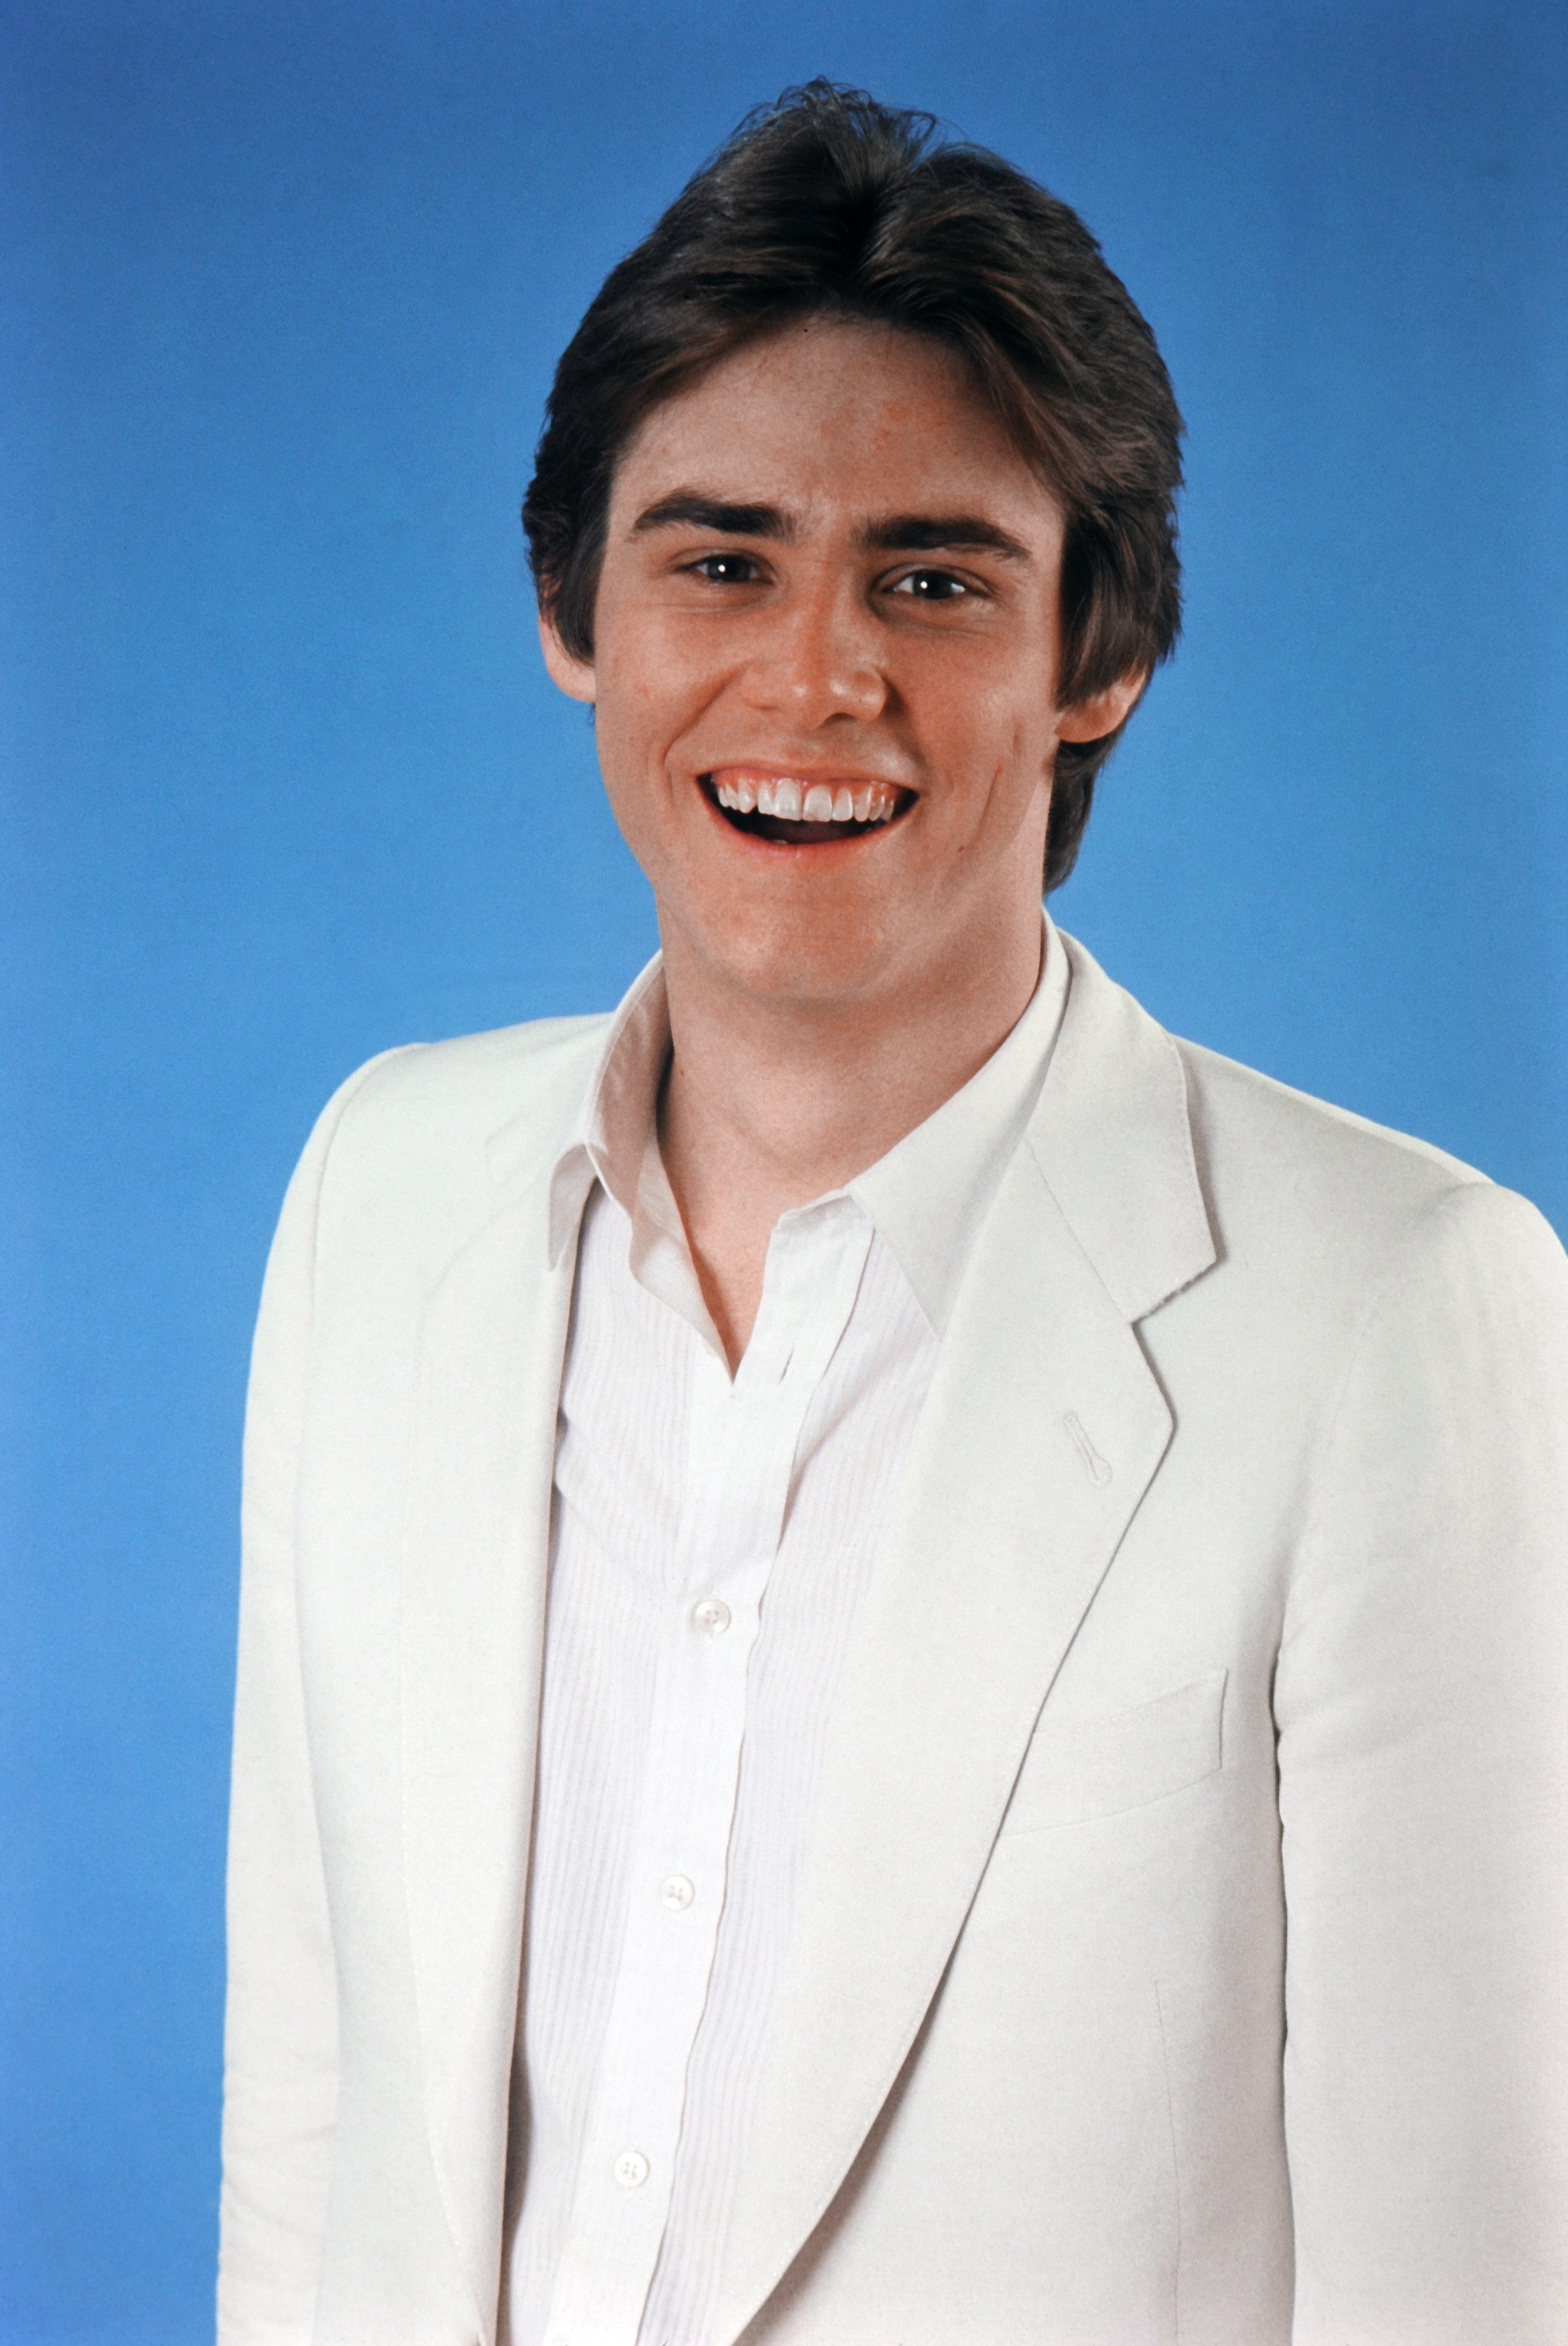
(1081, 1766)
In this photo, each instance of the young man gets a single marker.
(903, 1669)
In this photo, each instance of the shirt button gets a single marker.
(678, 1893)
(631, 2168)
(712, 1617)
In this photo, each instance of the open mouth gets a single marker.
(802, 811)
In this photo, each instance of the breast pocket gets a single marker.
(1081, 1766)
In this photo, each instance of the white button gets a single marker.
(631, 2168)
(712, 1616)
(678, 1893)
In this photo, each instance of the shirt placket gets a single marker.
(741, 1445)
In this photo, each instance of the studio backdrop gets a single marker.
(284, 281)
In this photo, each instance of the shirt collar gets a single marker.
(926, 1198)
(928, 1194)
(610, 1138)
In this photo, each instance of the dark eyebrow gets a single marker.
(900, 533)
(695, 511)
(939, 533)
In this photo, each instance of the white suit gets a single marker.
(1181, 1941)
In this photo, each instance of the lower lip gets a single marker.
(814, 839)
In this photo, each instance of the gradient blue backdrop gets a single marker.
(283, 285)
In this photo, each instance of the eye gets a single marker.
(930, 585)
(728, 570)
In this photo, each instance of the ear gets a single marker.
(575, 677)
(1102, 712)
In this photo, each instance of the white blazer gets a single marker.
(1181, 1945)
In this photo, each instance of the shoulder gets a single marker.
(456, 1094)
(1254, 1134)
(1352, 1204)
(1309, 1206)
(412, 1151)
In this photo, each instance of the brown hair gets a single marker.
(828, 201)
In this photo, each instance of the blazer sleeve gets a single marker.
(1421, 1707)
(280, 2033)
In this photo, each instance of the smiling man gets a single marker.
(903, 1663)
(825, 670)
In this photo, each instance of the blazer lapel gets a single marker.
(1040, 1434)
(473, 1586)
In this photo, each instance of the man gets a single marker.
(902, 1663)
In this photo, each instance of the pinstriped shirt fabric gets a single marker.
(711, 1540)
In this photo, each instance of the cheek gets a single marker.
(994, 739)
(987, 692)
(637, 721)
(650, 686)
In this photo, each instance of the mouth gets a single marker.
(804, 810)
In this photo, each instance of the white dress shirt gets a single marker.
(710, 1542)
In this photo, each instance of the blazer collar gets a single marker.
(1113, 1136)
(1043, 1429)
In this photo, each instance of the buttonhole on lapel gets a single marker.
(1095, 1466)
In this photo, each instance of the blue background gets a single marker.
(284, 782)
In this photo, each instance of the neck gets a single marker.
(771, 1102)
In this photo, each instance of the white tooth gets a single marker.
(863, 802)
(844, 804)
(767, 799)
(818, 806)
(882, 807)
(787, 801)
(725, 795)
(745, 795)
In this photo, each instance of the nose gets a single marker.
(820, 657)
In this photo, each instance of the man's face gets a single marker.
(829, 590)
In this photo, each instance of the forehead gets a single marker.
(830, 413)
